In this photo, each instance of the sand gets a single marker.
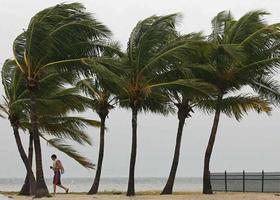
(219, 196)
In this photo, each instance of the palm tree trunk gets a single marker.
(131, 183)
(207, 188)
(25, 161)
(41, 187)
(168, 189)
(94, 188)
(27, 186)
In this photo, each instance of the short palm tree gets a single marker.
(13, 84)
(243, 52)
(56, 39)
(26, 187)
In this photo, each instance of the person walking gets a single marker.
(58, 170)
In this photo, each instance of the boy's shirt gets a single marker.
(57, 166)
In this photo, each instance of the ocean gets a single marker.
(110, 184)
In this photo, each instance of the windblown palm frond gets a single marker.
(67, 127)
(237, 106)
(70, 151)
(54, 38)
(219, 23)
(268, 87)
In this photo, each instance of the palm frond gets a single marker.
(70, 151)
(268, 87)
(237, 106)
(194, 86)
(219, 23)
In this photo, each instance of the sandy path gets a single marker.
(220, 196)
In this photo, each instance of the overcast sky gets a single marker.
(252, 144)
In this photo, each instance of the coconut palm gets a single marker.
(102, 102)
(185, 99)
(13, 84)
(56, 38)
(100, 94)
(243, 53)
(52, 122)
(26, 187)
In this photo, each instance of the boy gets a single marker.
(58, 170)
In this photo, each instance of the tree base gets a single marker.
(42, 192)
(207, 191)
(25, 190)
(167, 191)
(93, 190)
(130, 192)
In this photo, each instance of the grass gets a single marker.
(8, 193)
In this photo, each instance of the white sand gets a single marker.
(219, 196)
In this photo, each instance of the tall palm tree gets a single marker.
(102, 102)
(151, 49)
(243, 53)
(185, 99)
(100, 93)
(51, 41)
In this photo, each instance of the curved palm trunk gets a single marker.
(207, 188)
(94, 188)
(25, 160)
(28, 184)
(41, 187)
(168, 189)
(131, 184)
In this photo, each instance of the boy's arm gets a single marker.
(60, 166)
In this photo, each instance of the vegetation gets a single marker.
(65, 62)
(243, 53)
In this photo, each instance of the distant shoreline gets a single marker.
(111, 184)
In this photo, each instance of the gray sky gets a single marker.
(252, 144)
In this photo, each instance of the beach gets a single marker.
(192, 196)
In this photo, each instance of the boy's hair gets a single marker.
(53, 156)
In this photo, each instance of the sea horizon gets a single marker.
(83, 184)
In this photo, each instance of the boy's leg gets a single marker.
(54, 189)
(65, 188)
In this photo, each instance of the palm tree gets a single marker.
(102, 102)
(61, 126)
(13, 84)
(185, 99)
(243, 52)
(51, 41)
(100, 92)
(152, 48)
(26, 187)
